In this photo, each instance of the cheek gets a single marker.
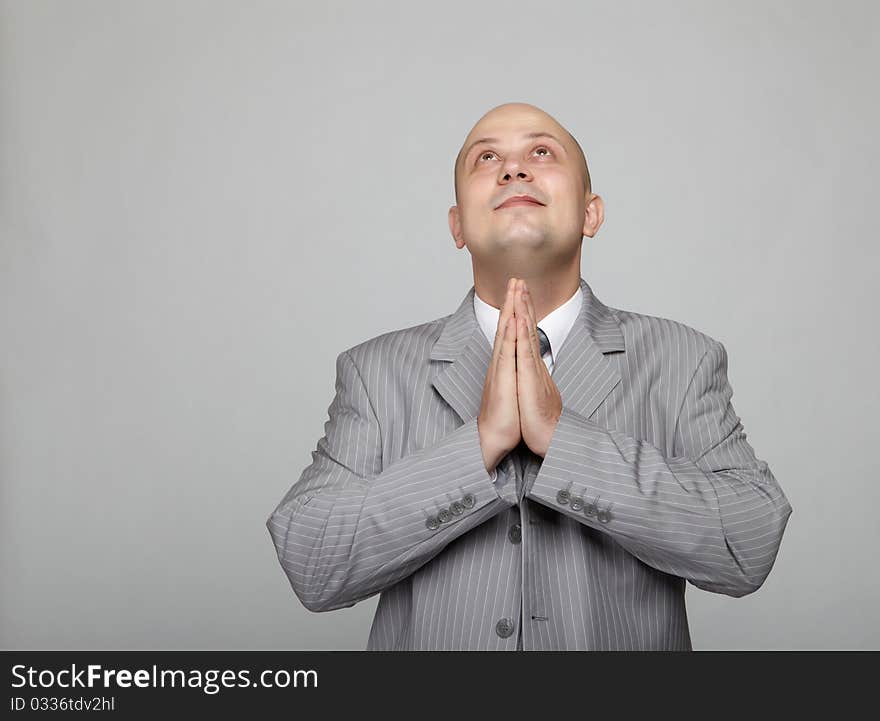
(567, 200)
(560, 185)
(476, 206)
(474, 219)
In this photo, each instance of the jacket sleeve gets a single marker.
(349, 528)
(711, 513)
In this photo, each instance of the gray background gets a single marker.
(203, 203)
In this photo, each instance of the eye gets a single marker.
(483, 155)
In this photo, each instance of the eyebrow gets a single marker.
(537, 134)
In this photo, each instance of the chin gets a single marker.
(520, 237)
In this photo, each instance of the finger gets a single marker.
(533, 316)
(510, 307)
(528, 306)
(506, 361)
(528, 338)
(506, 311)
(529, 309)
(533, 323)
(523, 355)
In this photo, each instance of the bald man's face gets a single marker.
(519, 152)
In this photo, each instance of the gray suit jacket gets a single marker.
(648, 482)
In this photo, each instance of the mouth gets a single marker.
(517, 200)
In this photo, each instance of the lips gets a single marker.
(519, 200)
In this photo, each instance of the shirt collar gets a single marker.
(556, 324)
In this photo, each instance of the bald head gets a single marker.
(509, 112)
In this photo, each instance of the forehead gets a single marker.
(513, 125)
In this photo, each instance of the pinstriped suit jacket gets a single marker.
(648, 482)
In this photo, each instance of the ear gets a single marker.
(455, 227)
(594, 215)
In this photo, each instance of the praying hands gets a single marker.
(520, 400)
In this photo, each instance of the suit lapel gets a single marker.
(583, 372)
(462, 341)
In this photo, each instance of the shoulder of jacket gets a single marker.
(403, 343)
(645, 331)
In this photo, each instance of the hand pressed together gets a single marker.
(520, 399)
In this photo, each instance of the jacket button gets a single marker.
(563, 496)
(432, 523)
(504, 627)
(468, 500)
(515, 533)
(589, 509)
(456, 508)
(443, 515)
(577, 503)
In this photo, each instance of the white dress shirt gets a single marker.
(556, 326)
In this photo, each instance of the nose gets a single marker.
(512, 169)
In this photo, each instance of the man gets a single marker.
(537, 470)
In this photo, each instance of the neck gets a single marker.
(549, 288)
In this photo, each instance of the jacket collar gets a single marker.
(582, 370)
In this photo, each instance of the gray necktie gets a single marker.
(545, 342)
(545, 349)
(522, 450)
